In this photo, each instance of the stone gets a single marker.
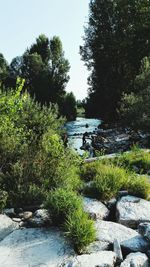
(27, 215)
(131, 211)
(6, 226)
(129, 239)
(40, 218)
(144, 230)
(95, 208)
(122, 193)
(17, 220)
(9, 212)
(97, 246)
(99, 259)
(35, 247)
(118, 251)
(136, 260)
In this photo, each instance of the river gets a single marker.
(77, 128)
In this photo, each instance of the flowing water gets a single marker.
(76, 129)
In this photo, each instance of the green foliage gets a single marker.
(68, 107)
(80, 229)
(3, 200)
(33, 158)
(45, 70)
(108, 178)
(60, 203)
(135, 107)
(138, 158)
(115, 41)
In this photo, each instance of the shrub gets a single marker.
(139, 186)
(89, 170)
(32, 155)
(108, 180)
(3, 199)
(80, 229)
(60, 203)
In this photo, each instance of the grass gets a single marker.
(107, 179)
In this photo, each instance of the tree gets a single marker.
(68, 106)
(44, 68)
(3, 70)
(135, 107)
(116, 39)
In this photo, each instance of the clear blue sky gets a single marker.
(23, 20)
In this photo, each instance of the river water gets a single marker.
(76, 129)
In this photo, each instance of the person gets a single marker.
(84, 138)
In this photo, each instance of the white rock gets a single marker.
(100, 259)
(136, 259)
(34, 247)
(6, 226)
(41, 218)
(95, 208)
(131, 211)
(128, 238)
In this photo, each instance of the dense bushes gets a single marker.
(108, 179)
(66, 210)
(33, 158)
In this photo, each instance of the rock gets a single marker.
(10, 212)
(122, 193)
(6, 226)
(35, 247)
(17, 220)
(26, 215)
(95, 208)
(129, 239)
(136, 260)
(41, 218)
(112, 203)
(118, 251)
(99, 259)
(144, 230)
(131, 211)
(97, 246)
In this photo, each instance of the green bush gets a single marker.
(89, 170)
(139, 186)
(33, 156)
(109, 179)
(3, 200)
(80, 229)
(60, 203)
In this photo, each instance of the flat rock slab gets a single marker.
(136, 259)
(6, 226)
(95, 208)
(131, 211)
(129, 239)
(100, 259)
(34, 248)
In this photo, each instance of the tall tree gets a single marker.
(3, 70)
(116, 39)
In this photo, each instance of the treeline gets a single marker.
(116, 51)
(45, 70)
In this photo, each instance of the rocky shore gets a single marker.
(113, 139)
(28, 238)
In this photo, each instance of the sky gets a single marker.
(22, 21)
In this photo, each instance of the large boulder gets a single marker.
(100, 259)
(35, 247)
(144, 230)
(131, 211)
(136, 259)
(95, 208)
(6, 226)
(129, 239)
